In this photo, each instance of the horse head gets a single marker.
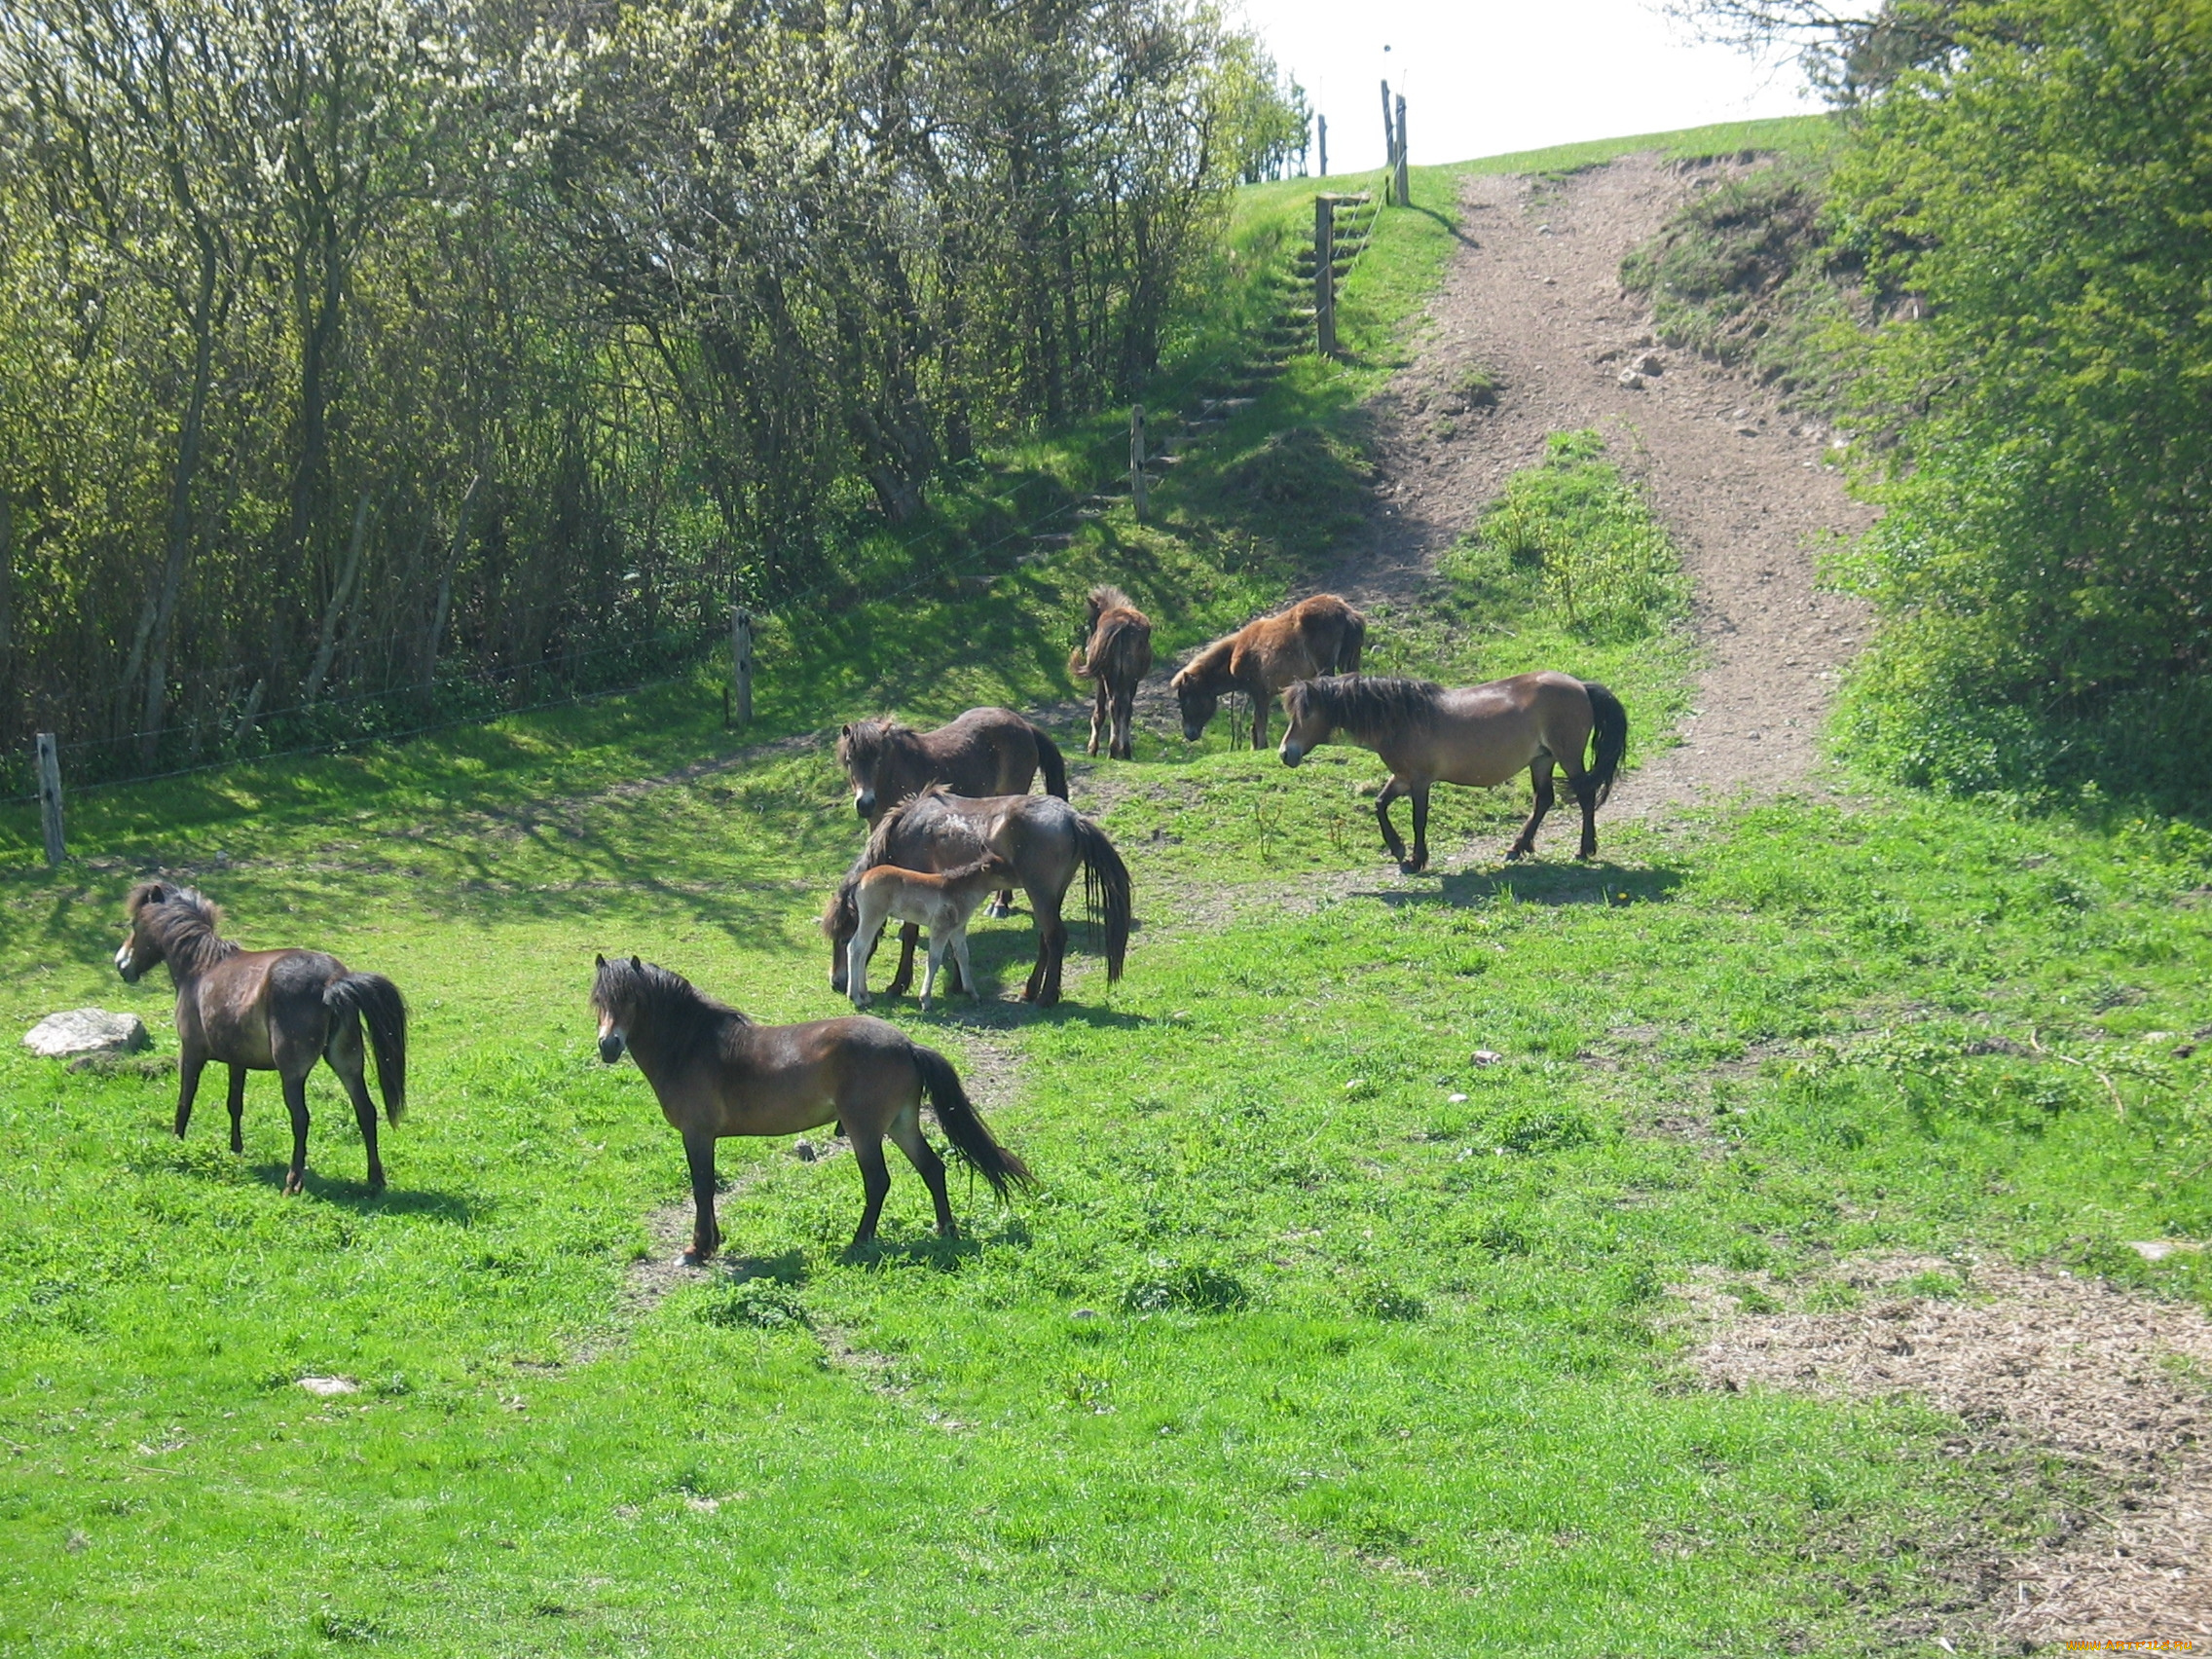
(1310, 722)
(1198, 697)
(141, 946)
(860, 749)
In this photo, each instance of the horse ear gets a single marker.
(636, 966)
(598, 961)
(157, 894)
(845, 731)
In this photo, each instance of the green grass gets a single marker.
(1292, 1352)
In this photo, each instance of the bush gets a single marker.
(2043, 569)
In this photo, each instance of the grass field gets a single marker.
(1318, 1336)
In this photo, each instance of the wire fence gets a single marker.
(448, 702)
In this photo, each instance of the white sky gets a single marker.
(1484, 77)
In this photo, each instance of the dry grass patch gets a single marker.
(2028, 1359)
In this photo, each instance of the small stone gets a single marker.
(1084, 1314)
(1456, 1099)
(87, 1031)
(1631, 379)
(329, 1387)
(76, 1543)
(1485, 1057)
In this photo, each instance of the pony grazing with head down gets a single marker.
(1116, 656)
(278, 1011)
(1478, 737)
(1321, 635)
(715, 1073)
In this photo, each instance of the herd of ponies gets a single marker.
(951, 825)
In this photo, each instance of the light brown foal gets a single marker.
(942, 904)
(1479, 737)
(715, 1073)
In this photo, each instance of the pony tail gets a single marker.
(377, 1001)
(1608, 735)
(1106, 891)
(1051, 762)
(964, 1126)
(1078, 663)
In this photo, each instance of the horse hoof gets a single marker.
(696, 1257)
(294, 1186)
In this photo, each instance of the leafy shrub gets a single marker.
(1192, 1286)
(761, 1303)
(2044, 568)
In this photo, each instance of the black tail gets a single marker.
(1354, 646)
(1608, 737)
(1105, 892)
(378, 1002)
(1055, 769)
(963, 1127)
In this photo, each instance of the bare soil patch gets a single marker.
(2033, 1360)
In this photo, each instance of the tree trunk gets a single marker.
(189, 443)
(436, 636)
(327, 646)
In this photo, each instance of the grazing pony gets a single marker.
(1480, 736)
(942, 904)
(1045, 841)
(1116, 654)
(1321, 635)
(715, 1073)
(276, 1011)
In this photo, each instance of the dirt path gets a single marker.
(1533, 299)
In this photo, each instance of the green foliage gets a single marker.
(2043, 568)
(1605, 561)
(1743, 273)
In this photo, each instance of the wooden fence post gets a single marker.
(1389, 145)
(741, 664)
(1325, 274)
(1324, 127)
(49, 799)
(1137, 479)
(1405, 192)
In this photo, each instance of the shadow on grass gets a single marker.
(787, 1267)
(1533, 883)
(450, 1208)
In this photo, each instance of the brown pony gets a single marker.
(985, 752)
(1045, 841)
(1479, 737)
(1117, 653)
(276, 1011)
(715, 1073)
(1321, 635)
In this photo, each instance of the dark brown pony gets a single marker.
(1115, 654)
(715, 1073)
(1321, 635)
(276, 1011)
(1480, 737)
(985, 752)
(1045, 841)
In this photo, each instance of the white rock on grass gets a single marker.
(87, 1031)
(327, 1387)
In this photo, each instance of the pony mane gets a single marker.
(1367, 706)
(661, 994)
(1106, 597)
(1211, 660)
(184, 922)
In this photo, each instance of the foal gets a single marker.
(276, 1011)
(1116, 654)
(942, 904)
(1321, 635)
